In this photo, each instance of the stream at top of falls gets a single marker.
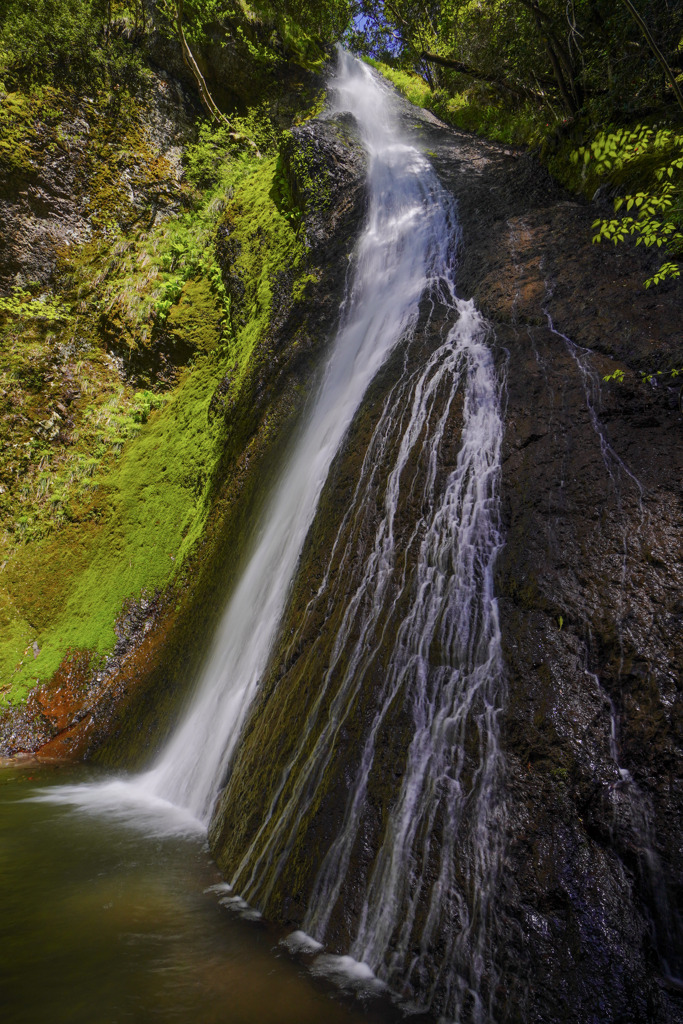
(417, 896)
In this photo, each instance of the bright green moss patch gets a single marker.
(129, 534)
(29, 129)
(112, 455)
(18, 636)
(518, 125)
(120, 163)
(195, 321)
(114, 480)
(265, 244)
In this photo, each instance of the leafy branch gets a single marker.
(174, 11)
(661, 153)
(619, 375)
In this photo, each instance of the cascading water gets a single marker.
(433, 591)
(421, 590)
(405, 246)
(427, 592)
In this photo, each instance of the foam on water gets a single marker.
(122, 801)
(299, 942)
(347, 972)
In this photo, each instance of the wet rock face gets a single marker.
(47, 203)
(325, 168)
(589, 583)
(321, 171)
(589, 586)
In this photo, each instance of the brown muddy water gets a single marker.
(99, 922)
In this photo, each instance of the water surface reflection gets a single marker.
(100, 922)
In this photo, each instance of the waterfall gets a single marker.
(426, 591)
(433, 877)
(440, 822)
(405, 249)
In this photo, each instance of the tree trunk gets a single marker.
(566, 92)
(207, 98)
(560, 59)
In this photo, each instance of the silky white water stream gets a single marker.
(435, 874)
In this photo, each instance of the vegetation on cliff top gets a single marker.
(579, 80)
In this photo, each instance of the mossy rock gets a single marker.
(195, 322)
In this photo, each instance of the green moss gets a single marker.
(18, 636)
(309, 51)
(267, 244)
(473, 109)
(301, 285)
(196, 319)
(131, 533)
(107, 481)
(116, 513)
(28, 129)
(120, 159)
(110, 465)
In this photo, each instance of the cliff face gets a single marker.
(168, 293)
(162, 376)
(78, 160)
(590, 582)
(582, 924)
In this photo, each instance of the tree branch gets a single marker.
(398, 18)
(559, 57)
(657, 52)
(466, 69)
(207, 98)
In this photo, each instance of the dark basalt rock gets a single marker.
(589, 582)
(325, 167)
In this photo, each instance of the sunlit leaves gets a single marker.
(667, 270)
(660, 151)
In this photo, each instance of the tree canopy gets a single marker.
(566, 54)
